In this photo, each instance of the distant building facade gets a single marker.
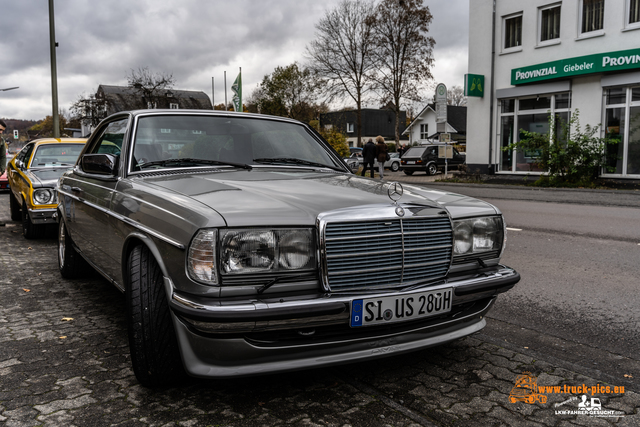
(374, 122)
(423, 128)
(543, 58)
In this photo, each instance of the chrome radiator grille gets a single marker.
(380, 254)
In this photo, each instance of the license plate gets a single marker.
(373, 311)
(411, 162)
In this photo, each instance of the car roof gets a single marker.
(43, 141)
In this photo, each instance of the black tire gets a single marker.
(70, 262)
(432, 169)
(408, 172)
(16, 211)
(152, 340)
(29, 229)
(395, 167)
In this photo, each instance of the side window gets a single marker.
(110, 141)
(25, 154)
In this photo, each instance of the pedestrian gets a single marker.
(368, 157)
(3, 153)
(382, 154)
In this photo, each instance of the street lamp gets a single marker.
(9, 88)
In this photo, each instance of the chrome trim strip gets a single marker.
(253, 304)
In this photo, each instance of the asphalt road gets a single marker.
(578, 299)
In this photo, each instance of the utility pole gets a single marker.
(54, 75)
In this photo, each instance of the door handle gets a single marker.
(76, 189)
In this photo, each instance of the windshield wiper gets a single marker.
(167, 162)
(294, 161)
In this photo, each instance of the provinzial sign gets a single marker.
(589, 64)
(474, 85)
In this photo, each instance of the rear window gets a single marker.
(414, 152)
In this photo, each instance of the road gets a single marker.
(578, 299)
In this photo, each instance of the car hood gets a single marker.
(45, 177)
(296, 198)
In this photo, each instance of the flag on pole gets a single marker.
(236, 87)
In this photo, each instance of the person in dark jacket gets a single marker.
(381, 154)
(369, 154)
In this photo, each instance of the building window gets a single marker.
(350, 127)
(633, 14)
(152, 105)
(173, 106)
(549, 23)
(592, 15)
(513, 32)
(424, 131)
(622, 114)
(531, 114)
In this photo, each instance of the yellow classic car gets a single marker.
(33, 174)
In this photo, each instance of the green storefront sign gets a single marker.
(474, 85)
(598, 63)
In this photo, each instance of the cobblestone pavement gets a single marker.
(64, 361)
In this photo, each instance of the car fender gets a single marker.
(130, 242)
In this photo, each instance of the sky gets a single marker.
(101, 42)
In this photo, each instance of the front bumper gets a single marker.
(266, 335)
(42, 216)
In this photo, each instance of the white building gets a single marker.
(534, 57)
(423, 128)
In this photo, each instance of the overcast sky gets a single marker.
(195, 40)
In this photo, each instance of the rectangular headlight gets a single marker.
(478, 235)
(263, 250)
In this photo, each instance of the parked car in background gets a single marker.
(425, 158)
(393, 163)
(244, 245)
(33, 174)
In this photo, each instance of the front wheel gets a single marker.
(29, 229)
(395, 167)
(432, 169)
(152, 339)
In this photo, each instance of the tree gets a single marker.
(89, 111)
(44, 129)
(289, 91)
(149, 86)
(455, 96)
(341, 53)
(403, 51)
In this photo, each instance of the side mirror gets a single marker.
(100, 164)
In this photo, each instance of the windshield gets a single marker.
(52, 155)
(167, 141)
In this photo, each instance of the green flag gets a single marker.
(236, 87)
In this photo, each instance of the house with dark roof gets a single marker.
(123, 98)
(423, 128)
(374, 122)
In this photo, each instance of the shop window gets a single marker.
(512, 32)
(549, 23)
(529, 114)
(592, 13)
(424, 131)
(622, 122)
